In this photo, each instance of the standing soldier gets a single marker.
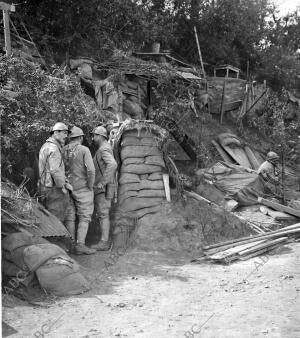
(81, 173)
(269, 171)
(106, 167)
(53, 185)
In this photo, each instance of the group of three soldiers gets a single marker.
(72, 183)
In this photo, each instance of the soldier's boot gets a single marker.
(105, 243)
(81, 248)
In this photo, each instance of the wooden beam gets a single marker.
(222, 103)
(6, 8)
(199, 51)
(279, 207)
(291, 229)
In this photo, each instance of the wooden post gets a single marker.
(282, 174)
(6, 8)
(199, 51)
(222, 103)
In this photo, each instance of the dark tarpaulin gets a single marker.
(236, 182)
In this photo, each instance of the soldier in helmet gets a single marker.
(54, 187)
(81, 174)
(269, 170)
(106, 167)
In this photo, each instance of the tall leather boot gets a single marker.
(104, 244)
(81, 248)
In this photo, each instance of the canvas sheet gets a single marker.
(236, 182)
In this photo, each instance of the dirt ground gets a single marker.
(151, 294)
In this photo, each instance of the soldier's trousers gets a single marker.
(102, 205)
(81, 204)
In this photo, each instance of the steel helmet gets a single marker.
(59, 126)
(272, 156)
(100, 131)
(76, 132)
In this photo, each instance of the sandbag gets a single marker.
(155, 176)
(139, 133)
(155, 160)
(131, 108)
(146, 211)
(19, 239)
(136, 203)
(36, 255)
(140, 169)
(145, 184)
(140, 194)
(133, 99)
(60, 276)
(139, 141)
(133, 160)
(137, 151)
(128, 178)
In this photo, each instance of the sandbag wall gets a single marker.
(141, 188)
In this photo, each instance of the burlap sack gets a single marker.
(136, 141)
(145, 211)
(128, 178)
(60, 276)
(140, 169)
(133, 160)
(57, 273)
(37, 255)
(140, 194)
(145, 184)
(136, 203)
(155, 160)
(139, 133)
(155, 176)
(138, 151)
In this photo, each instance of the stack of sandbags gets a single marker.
(141, 188)
(27, 255)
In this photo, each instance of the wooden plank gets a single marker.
(238, 241)
(261, 246)
(227, 158)
(279, 207)
(236, 250)
(277, 215)
(222, 102)
(259, 252)
(167, 187)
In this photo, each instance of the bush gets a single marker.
(31, 101)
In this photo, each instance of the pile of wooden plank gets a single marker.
(245, 248)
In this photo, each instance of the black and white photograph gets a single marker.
(150, 168)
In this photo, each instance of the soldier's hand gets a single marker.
(64, 190)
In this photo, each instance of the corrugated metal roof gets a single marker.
(34, 219)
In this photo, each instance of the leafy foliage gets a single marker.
(272, 122)
(39, 100)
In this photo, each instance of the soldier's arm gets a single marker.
(55, 168)
(272, 178)
(111, 166)
(90, 168)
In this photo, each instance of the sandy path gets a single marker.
(150, 295)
